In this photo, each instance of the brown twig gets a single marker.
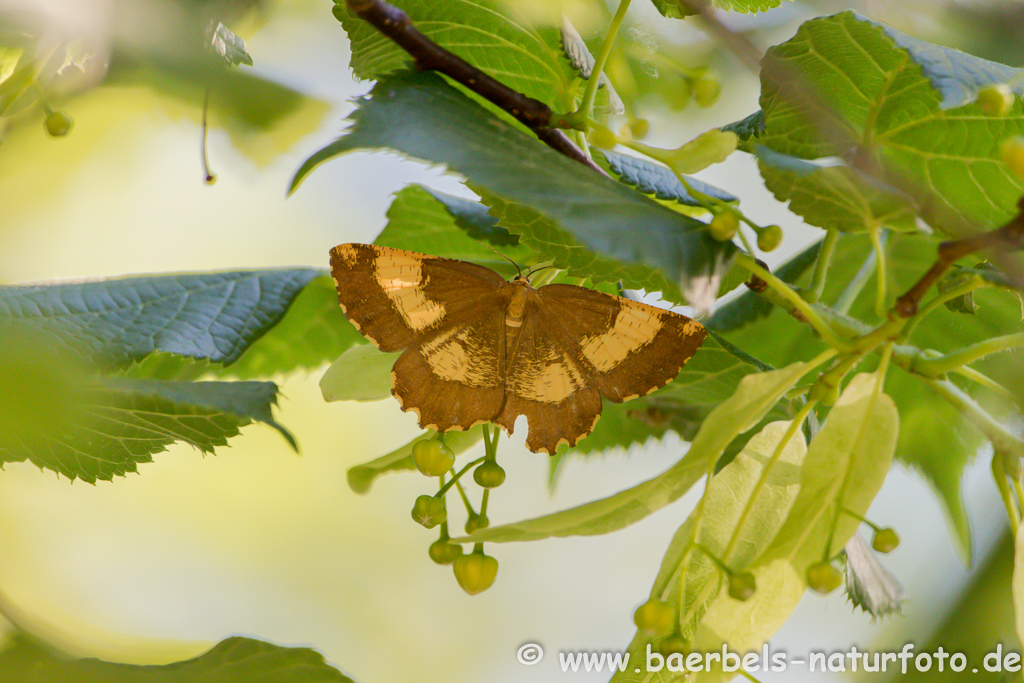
(1007, 238)
(429, 56)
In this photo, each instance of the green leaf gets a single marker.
(419, 115)
(744, 507)
(845, 466)
(655, 179)
(907, 106)
(113, 323)
(431, 222)
(62, 419)
(361, 477)
(523, 58)
(228, 46)
(754, 397)
(233, 660)
(362, 373)
(680, 9)
(835, 196)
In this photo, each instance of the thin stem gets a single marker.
(878, 239)
(828, 247)
(743, 238)
(587, 103)
(934, 367)
(791, 296)
(465, 498)
(939, 300)
(208, 177)
(856, 285)
(985, 381)
(1001, 439)
(999, 474)
(455, 479)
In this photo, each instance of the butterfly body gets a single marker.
(479, 348)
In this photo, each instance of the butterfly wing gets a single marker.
(628, 349)
(547, 384)
(447, 314)
(455, 379)
(396, 298)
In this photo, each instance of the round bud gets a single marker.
(885, 540)
(476, 522)
(639, 128)
(429, 511)
(678, 93)
(706, 91)
(1011, 152)
(442, 551)
(742, 586)
(475, 572)
(723, 226)
(602, 138)
(655, 617)
(823, 577)
(432, 457)
(769, 238)
(996, 99)
(489, 475)
(58, 124)
(674, 644)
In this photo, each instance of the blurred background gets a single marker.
(160, 565)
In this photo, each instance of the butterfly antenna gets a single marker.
(518, 269)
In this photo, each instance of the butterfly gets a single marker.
(480, 348)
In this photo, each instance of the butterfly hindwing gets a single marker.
(454, 379)
(547, 385)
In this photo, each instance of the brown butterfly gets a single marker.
(480, 348)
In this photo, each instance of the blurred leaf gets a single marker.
(112, 323)
(576, 51)
(754, 397)
(228, 46)
(361, 477)
(362, 373)
(835, 196)
(680, 9)
(419, 115)
(979, 619)
(432, 222)
(655, 179)
(92, 428)
(868, 584)
(524, 58)
(233, 660)
(897, 101)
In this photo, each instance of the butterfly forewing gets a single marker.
(630, 348)
(396, 297)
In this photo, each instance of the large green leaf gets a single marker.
(112, 323)
(654, 179)
(680, 9)
(904, 104)
(835, 195)
(419, 115)
(233, 660)
(523, 58)
(362, 373)
(432, 222)
(59, 417)
(753, 398)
